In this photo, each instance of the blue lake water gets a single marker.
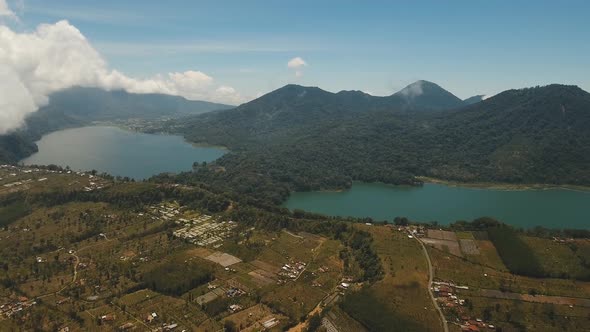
(553, 208)
(119, 152)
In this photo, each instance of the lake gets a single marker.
(552, 208)
(119, 152)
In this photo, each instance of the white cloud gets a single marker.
(5, 11)
(58, 56)
(413, 90)
(296, 63)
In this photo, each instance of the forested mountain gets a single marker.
(91, 104)
(423, 95)
(81, 106)
(538, 134)
(280, 113)
(473, 99)
(15, 146)
(535, 135)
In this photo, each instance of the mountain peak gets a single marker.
(473, 99)
(427, 95)
(413, 90)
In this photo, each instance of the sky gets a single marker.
(234, 51)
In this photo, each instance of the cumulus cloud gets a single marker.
(58, 56)
(297, 64)
(5, 11)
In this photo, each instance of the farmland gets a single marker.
(100, 259)
(490, 294)
(147, 256)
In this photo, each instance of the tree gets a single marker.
(315, 321)
(401, 221)
(229, 326)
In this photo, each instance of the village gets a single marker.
(199, 229)
(448, 297)
(25, 178)
(16, 306)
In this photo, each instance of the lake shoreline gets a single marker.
(119, 151)
(503, 186)
(520, 206)
(127, 127)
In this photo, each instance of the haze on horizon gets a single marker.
(232, 52)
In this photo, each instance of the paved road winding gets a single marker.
(430, 277)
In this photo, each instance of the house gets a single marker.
(170, 327)
(126, 326)
(270, 323)
(235, 308)
(108, 318)
(469, 328)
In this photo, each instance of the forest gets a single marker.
(177, 277)
(528, 136)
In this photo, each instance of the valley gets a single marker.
(296, 166)
(89, 252)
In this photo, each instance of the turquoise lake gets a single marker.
(553, 208)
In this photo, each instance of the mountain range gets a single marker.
(282, 111)
(306, 138)
(303, 138)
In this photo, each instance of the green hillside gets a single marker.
(535, 135)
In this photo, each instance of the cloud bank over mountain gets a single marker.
(33, 65)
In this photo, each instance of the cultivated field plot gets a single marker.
(562, 300)
(513, 315)
(210, 296)
(559, 259)
(442, 235)
(262, 277)
(256, 318)
(223, 259)
(443, 240)
(444, 245)
(402, 295)
(265, 266)
(464, 272)
(169, 310)
(341, 322)
(469, 247)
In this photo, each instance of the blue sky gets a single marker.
(468, 47)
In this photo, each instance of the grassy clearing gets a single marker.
(519, 315)
(465, 235)
(250, 318)
(488, 256)
(560, 260)
(516, 254)
(374, 311)
(13, 212)
(295, 300)
(461, 271)
(400, 301)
